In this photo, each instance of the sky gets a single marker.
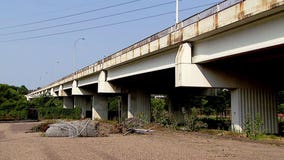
(42, 40)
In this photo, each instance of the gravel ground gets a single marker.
(15, 144)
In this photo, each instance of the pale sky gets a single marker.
(38, 38)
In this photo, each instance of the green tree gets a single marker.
(13, 103)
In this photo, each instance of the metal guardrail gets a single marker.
(193, 19)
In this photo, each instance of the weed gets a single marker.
(252, 126)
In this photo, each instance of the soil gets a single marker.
(15, 144)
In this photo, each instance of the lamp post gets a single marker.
(177, 12)
(75, 52)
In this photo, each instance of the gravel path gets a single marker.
(15, 144)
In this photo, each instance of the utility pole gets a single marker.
(177, 11)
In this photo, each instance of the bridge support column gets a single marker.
(138, 104)
(68, 102)
(99, 107)
(250, 102)
(83, 102)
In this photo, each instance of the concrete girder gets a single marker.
(62, 92)
(104, 86)
(80, 91)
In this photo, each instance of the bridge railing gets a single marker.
(192, 19)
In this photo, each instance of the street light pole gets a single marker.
(177, 12)
(75, 52)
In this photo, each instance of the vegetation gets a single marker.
(280, 102)
(51, 108)
(14, 106)
(13, 103)
(192, 122)
(253, 126)
(160, 114)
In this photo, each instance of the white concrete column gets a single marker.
(250, 102)
(138, 103)
(83, 102)
(99, 107)
(68, 102)
(129, 108)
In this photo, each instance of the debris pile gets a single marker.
(89, 128)
(83, 128)
(135, 125)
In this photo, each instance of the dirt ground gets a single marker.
(15, 144)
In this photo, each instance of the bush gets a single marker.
(192, 123)
(253, 126)
(215, 123)
(281, 127)
(158, 109)
(18, 115)
(59, 113)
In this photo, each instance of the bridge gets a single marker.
(236, 44)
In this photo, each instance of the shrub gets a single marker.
(192, 123)
(216, 123)
(59, 113)
(252, 126)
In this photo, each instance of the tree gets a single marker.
(13, 103)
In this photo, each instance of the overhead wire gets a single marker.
(88, 20)
(70, 15)
(105, 25)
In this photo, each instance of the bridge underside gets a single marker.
(264, 65)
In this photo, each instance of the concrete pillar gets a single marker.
(124, 105)
(129, 108)
(83, 102)
(250, 102)
(99, 107)
(139, 104)
(68, 102)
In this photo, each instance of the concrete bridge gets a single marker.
(237, 44)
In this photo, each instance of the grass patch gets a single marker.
(267, 137)
(42, 127)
